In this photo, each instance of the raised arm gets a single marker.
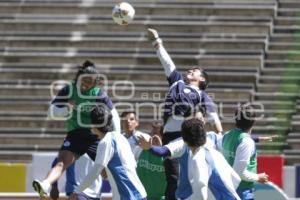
(161, 52)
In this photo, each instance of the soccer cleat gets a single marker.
(153, 37)
(40, 188)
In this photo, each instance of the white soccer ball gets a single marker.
(123, 13)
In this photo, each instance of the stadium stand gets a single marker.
(245, 45)
(279, 79)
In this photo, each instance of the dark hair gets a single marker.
(245, 117)
(193, 132)
(125, 113)
(101, 117)
(203, 84)
(87, 68)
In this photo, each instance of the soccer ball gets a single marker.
(123, 13)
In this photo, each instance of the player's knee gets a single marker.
(64, 163)
(66, 157)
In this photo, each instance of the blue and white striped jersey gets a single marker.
(223, 180)
(115, 155)
(77, 172)
(214, 140)
(200, 172)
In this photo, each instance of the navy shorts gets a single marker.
(81, 141)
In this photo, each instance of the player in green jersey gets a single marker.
(240, 152)
(76, 101)
(150, 168)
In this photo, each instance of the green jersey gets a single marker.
(85, 102)
(231, 140)
(151, 171)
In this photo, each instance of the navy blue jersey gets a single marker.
(183, 98)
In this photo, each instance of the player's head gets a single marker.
(245, 117)
(193, 132)
(198, 77)
(87, 76)
(101, 118)
(129, 121)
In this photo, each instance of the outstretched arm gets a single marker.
(263, 139)
(161, 151)
(145, 144)
(161, 52)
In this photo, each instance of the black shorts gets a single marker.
(81, 141)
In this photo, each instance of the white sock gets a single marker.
(46, 185)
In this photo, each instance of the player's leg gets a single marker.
(171, 167)
(74, 146)
(65, 159)
(171, 170)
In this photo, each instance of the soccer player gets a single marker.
(130, 123)
(75, 173)
(115, 155)
(201, 167)
(150, 168)
(77, 98)
(207, 168)
(185, 94)
(177, 149)
(240, 152)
